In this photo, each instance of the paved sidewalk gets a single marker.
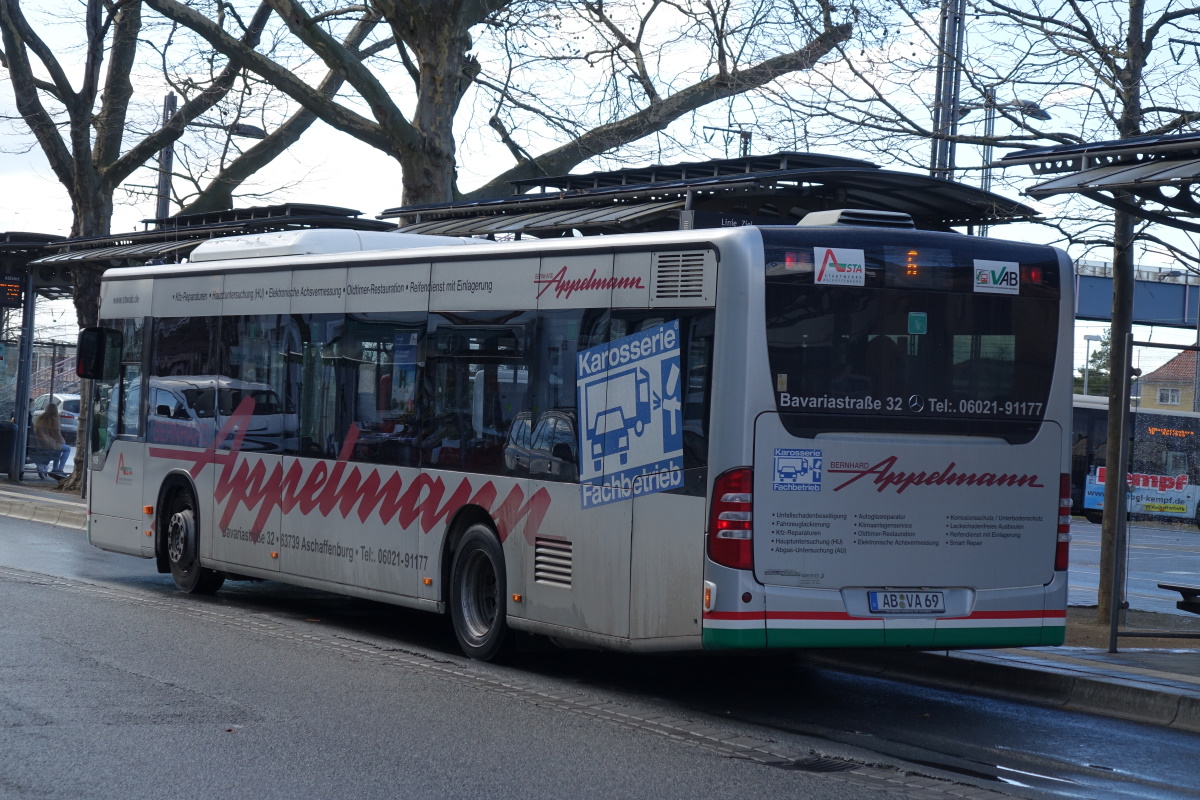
(1156, 686)
(36, 500)
(1160, 686)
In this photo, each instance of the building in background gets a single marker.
(1172, 386)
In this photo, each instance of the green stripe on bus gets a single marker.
(799, 638)
(1053, 636)
(825, 637)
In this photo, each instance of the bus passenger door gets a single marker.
(117, 455)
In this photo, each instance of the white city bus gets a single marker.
(778, 437)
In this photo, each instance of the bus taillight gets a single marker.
(1062, 549)
(730, 520)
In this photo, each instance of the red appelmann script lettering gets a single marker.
(565, 288)
(359, 490)
(885, 476)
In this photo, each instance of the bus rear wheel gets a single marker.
(1093, 516)
(183, 550)
(478, 590)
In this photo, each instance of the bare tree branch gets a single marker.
(333, 114)
(656, 117)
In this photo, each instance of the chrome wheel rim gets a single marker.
(179, 534)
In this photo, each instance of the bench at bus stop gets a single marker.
(1191, 596)
(38, 458)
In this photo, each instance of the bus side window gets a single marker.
(696, 328)
(183, 364)
(327, 380)
(107, 417)
(256, 374)
(559, 337)
(516, 448)
(387, 351)
(478, 370)
(129, 418)
(552, 453)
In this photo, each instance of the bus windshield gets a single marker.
(907, 339)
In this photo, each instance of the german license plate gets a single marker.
(907, 602)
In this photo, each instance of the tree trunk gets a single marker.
(1129, 124)
(1122, 323)
(93, 215)
(446, 69)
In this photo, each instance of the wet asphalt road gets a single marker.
(1011, 748)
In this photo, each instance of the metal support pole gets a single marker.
(16, 466)
(1087, 358)
(53, 367)
(989, 130)
(1121, 522)
(1195, 364)
(166, 162)
(949, 80)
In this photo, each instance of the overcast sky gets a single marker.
(330, 168)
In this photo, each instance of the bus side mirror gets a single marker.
(98, 355)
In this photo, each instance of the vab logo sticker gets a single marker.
(997, 277)
(124, 473)
(840, 267)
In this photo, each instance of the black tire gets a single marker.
(1094, 516)
(478, 594)
(183, 547)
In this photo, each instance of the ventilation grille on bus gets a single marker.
(861, 217)
(552, 561)
(679, 275)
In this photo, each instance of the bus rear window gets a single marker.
(913, 347)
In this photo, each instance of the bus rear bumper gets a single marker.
(1028, 616)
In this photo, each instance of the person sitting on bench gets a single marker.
(47, 436)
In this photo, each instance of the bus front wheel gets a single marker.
(478, 590)
(1093, 516)
(183, 552)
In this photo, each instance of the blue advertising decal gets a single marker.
(1093, 493)
(630, 416)
(796, 470)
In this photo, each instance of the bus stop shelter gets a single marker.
(44, 264)
(20, 286)
(776, 189)
(1149, 178)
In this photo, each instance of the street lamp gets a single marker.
(166, 156)
(1087, 358)
(1027, 108)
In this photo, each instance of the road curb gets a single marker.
(1112, 697)
(33, 512)
(1188, 718)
